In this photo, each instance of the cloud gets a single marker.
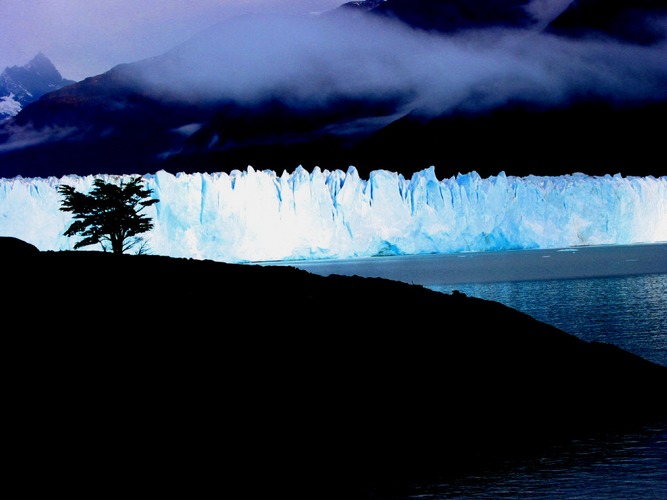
(308, 61)
(17, 137)
(546, 10)
(85, 38)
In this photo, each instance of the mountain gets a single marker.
(395, 85)
(22, 85)
(592, 134)
(634, 21)
(451, 15)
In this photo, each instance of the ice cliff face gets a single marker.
(255, 215)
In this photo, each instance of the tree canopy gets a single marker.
(109, 214)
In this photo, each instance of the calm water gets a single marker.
(610, 294)
(624, 466)
(615, 294)
(627, 311)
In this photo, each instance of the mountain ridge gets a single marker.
(22, 85)
(164, 113)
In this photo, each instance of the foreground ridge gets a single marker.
(156, 371)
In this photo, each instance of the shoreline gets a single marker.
(500, 266)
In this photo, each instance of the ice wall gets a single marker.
(256, 215)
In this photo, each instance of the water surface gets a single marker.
(627, 311)
(509, 265)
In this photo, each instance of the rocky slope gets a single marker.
(22, 85)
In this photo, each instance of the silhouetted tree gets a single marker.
(109, 214)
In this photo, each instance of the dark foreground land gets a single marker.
(149, 375)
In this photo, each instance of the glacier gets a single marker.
(259, 216)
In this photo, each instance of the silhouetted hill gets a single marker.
(188, 376)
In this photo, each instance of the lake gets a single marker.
(627, 311)
(614, 294)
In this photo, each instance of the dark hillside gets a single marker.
(633, 21)
(184, 376)
(450, 16)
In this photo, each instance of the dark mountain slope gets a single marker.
(236, 95)
(595, 138)
(108, 124)
(634, 21)
(105, 123)
(179, 375)
(450, 16)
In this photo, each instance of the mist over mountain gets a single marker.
(21, 85)
(524, 87)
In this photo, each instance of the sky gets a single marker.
(88, 37)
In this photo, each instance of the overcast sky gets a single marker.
(88, 37)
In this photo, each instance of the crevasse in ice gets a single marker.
(258, 215)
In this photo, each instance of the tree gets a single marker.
(109, 215)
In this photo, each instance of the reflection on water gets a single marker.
(630, 465)
(627, 311)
